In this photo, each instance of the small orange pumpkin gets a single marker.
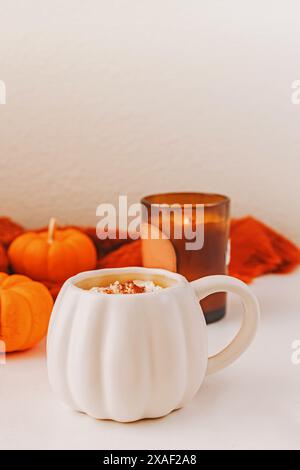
(25, 311)
(52, 255)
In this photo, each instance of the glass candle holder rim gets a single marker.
(220, 199)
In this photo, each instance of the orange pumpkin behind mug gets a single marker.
(52, 255)
(25, 311)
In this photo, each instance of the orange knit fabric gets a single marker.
(127, 255)
(257, 249)
(3, 259)
(9, 230)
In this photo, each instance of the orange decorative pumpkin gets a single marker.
(52, 255)
(25, 311)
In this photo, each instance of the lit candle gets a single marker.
(202, 256)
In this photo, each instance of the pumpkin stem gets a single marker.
(51, 229)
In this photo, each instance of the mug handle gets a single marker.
(212, 284)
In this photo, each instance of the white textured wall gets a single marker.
(136, 96)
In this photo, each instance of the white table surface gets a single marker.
(253, 404)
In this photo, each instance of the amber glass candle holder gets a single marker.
(170, 252)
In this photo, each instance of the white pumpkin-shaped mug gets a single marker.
(134, 356)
